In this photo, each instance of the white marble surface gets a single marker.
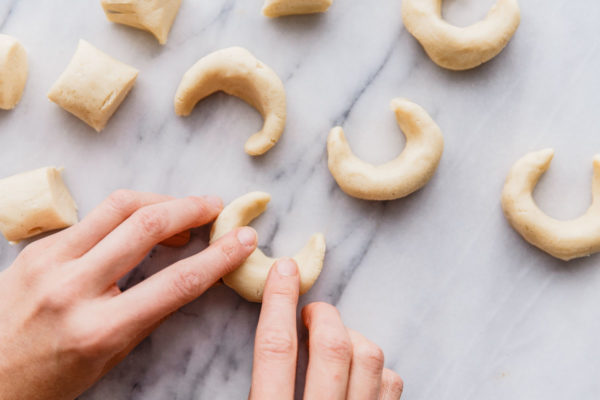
(461, 305)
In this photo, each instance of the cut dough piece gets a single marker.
(562, 239)
(409, 172)
(93, 85)
(280, 8)
(13, 72)
(34, 202)
(249, 280)
(154, 16)
(237, 72)
(457, 48)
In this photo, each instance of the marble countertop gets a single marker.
(461, 305)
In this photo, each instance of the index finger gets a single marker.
(276, 344)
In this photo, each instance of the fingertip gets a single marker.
(286, 267)
(247, 237)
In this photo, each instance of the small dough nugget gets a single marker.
(154, 16)
(93, 85)
(34, 202)
(13, 72)
(280, 8)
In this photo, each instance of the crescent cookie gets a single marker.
(249, 279)
(565, 240)
(409, 172)
(237, 72)
(457, 48)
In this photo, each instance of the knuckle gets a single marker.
(332, 347)
(370, 357)
(123, 201)
(188, 282)
(90, 341)
(275, 345)
(152, 221)
(228, 252)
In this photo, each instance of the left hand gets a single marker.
(64, 321)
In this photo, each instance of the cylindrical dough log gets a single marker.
(13, 71)
(34, 202)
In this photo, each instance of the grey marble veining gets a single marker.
(461, 305)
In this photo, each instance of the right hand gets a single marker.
(343, 364)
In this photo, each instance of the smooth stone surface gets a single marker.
(461, 305)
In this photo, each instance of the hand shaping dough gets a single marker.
(13, 72)
(93, 85)
(154, 16)
(406, 174)
(279, 8)
(457, 48)
(238, 73)
(562, 239)
(35, 202)
(249, 280)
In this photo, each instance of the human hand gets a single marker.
(343, 364)
(63, 320)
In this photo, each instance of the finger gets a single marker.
(391, 386)
(116, 208)
(179, 240)
(182, 282)
(330, 353)
(126, 246)
(276, 344)
(366, 368)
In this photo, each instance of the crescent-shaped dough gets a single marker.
(280, 8)
(237, 72)
(409, 172)
(458, 48)
(566, 240)
(249, 279)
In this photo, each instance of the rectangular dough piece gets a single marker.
(34, 202)
(93, 85)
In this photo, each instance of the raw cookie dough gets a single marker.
(279, 8)
(154, 16)
(13, 72)
(93, 85)
(409, 172)
(565, 240)
(237, 72)
(34, 202)
(249, 279)
(457, 48)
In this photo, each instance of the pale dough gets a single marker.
(93, 85)
(34, 202)
(154, 16)
(13, 72)
(457, 48)
(565, 240)
(249, 279)
(409, 172)
(237, 72)
(279, 8)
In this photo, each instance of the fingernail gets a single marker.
(247, 236)
(214, 201)
(287, 267)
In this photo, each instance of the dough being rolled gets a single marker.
(34, 202)
(93, 86)
(13, 72)
(154, 16)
